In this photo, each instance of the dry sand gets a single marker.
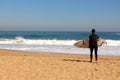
(17, 65)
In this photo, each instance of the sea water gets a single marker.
(57, 41)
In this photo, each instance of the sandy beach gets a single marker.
(18, 65)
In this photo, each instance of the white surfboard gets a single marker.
(85, 43)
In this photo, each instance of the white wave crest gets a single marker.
(21, 40)
(56, 46)
(113, 42)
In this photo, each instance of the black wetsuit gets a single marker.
(93, 45)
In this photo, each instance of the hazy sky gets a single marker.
(60, 15)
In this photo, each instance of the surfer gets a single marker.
(93, 44)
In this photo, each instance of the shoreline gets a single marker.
(20, 65)
(40, 52)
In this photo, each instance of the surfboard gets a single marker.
(85, 43)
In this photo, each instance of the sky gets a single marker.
(60, 15)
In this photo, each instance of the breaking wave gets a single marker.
(21, 40)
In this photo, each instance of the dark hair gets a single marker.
(93, 31)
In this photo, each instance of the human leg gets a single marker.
(96, 56)
(91, 54)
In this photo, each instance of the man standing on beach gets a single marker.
(93, 44)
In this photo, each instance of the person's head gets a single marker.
(93, 30)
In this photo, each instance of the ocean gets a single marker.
(57, 41)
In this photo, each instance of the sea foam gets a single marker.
(21, 40)
(57, 46)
